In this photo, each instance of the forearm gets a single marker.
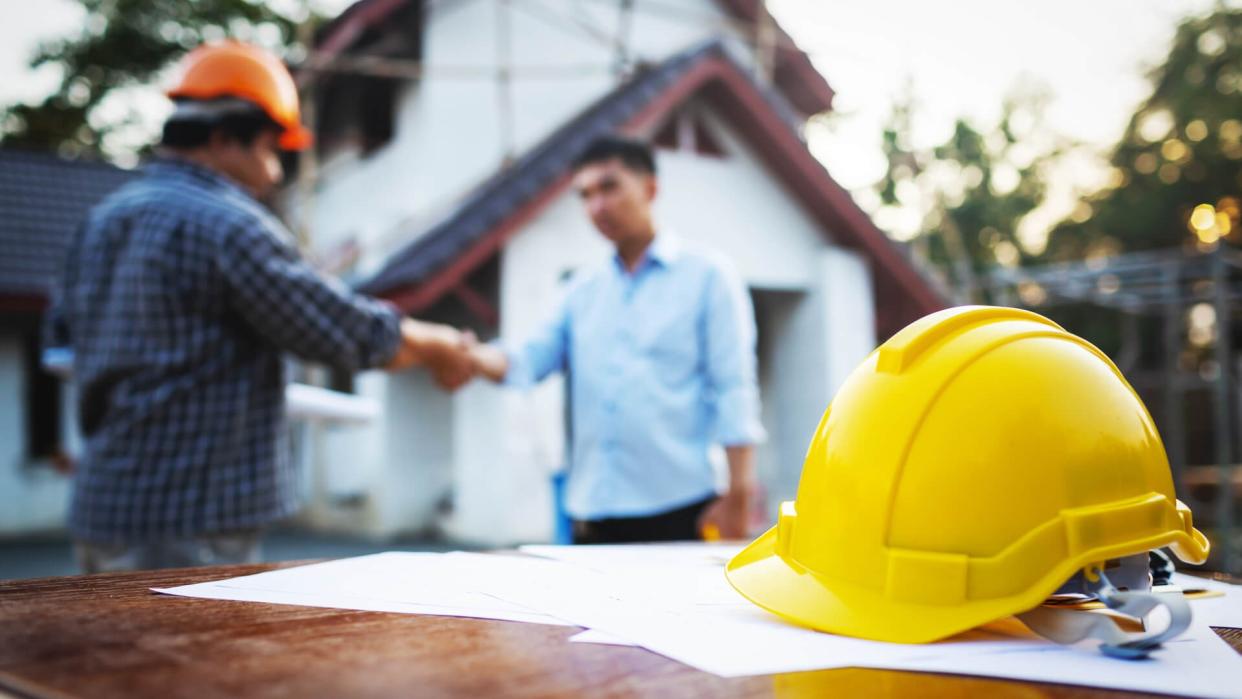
(742, 475)
(422, 343)
(491, 362)
(423, 338)
(295, 308)
(729, 516)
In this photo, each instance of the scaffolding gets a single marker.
(1165, 288)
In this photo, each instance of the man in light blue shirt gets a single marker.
(659, 346)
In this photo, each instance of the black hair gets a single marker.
(635, 155)
(193, 132)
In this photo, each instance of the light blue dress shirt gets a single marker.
(661, 365)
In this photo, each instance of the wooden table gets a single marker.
(107, 636)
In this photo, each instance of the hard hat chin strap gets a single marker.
(1068, 626)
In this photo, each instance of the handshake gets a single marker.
(453, 356)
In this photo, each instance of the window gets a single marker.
(41, 402)
(358, 108)
(377, 112)
(360, 111)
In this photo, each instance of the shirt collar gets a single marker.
(168, 165)
(664, 250)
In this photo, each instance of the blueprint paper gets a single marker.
(407, 583)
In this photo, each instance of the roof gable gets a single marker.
(543, 167)
(436, 262)
(793, 73)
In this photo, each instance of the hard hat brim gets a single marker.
(800, 596)
(297, 138)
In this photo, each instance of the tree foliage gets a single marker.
(972, 190)
(1182, 148)
(129, 42)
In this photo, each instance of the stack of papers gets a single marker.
(673, 599)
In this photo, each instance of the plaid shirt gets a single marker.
(180, 294)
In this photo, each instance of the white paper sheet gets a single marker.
(600, 637)
(408, 583)
(676, 602)
(611, 557)
(727, 638)
(681, 573)
(734, 640)
(1213, 611)
(1197, 663)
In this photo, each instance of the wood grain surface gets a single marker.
(108, 636)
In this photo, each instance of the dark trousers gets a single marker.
(681, 524)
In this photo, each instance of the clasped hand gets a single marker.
(443, 350)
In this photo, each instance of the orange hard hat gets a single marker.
(234, 69)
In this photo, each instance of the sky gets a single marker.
(959, 59)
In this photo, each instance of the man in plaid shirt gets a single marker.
(181, 293)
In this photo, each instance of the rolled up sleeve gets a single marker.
(299, 310)
(540, 355)
(731, 362)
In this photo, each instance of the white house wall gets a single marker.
(736, 206)
(785, 366)
(508, 445)
(389, 476)
(418, 450)
(451, 131)
(849, 312)
(345, 474)
(814, 340)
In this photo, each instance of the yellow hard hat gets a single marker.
(969, 467)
